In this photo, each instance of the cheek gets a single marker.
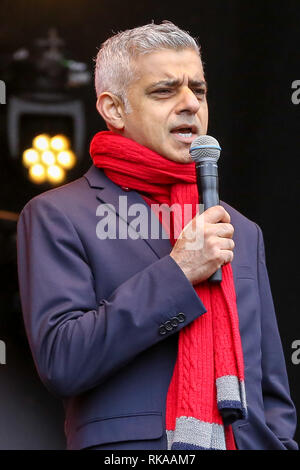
(149, 124)
(204, 114)
(155, 127)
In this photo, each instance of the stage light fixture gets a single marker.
(46, 97)
(49, 165)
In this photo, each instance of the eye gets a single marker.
(163, 91)
(200, 91)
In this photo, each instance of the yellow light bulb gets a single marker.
(66, 159)
(55, 174)
(48, 158)
(37, 173)
(30, 156)
(41, 142)
(59, 142)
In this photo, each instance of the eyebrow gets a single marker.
(173, 83)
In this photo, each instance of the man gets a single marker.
(125, 327)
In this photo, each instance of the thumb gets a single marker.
(216, 214)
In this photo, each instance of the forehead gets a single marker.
(169, 64)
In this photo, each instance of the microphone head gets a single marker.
(205, 148)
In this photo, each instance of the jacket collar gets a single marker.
(109, 192)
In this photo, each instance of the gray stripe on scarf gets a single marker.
(228, 388)
(198, 433)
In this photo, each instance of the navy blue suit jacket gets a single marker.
(93, 310)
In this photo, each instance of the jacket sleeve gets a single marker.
(280, 413)
(77, 342)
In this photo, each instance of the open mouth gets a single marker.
(185, 133)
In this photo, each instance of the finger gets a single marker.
(216, 214)
(227, 256)
(224, 230)
(227, 244)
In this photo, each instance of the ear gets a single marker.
(111, 109)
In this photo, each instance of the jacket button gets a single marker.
(162, 330)
(181, 317)
(168, 325)
(174, 322)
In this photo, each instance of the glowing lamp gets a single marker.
(48, 158)
(66, 159)
(30, 157)
(41, 142)
(55, 174)
(37, 173)
(59, 142)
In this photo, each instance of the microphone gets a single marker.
(205, 152)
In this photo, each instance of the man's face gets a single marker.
(168, 103)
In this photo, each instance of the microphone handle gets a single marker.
(208, 186)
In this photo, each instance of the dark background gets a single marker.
(251, 56)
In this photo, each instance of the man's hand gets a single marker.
(216, 248)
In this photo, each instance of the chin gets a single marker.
(181, 156)
(179, 159)
(185, 158)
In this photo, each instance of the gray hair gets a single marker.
(115, 70)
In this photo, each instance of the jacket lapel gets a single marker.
(109, 193)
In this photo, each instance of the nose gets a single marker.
(188, 102)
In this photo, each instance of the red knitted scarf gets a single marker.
(208, 378)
